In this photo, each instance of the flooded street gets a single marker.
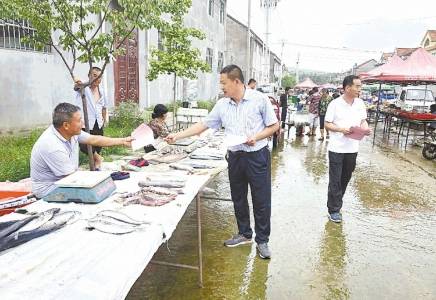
(384, 249)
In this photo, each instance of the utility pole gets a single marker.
(281, 63)
(248, 67)
(268, 5)
(297, 76)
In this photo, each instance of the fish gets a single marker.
(182, 167)
(119, 216)
(161, 183)
(42, 218)
(160, 191)
(199, 165)
(20, 223)
(57, 221)
(108, 224)
(206, 156)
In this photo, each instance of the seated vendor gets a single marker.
(157, 124)
(56, 152)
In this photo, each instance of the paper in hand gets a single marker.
(231, 140)
(143, 136)
(357, 133)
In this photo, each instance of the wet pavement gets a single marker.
(384, 249)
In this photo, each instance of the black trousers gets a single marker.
(341, 167)
(283, 117)
(254, 169)
(95, 130)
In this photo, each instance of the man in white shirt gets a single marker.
(56, 152)
(342, 114)
(96, 104)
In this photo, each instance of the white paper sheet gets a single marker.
(231, 140)
(143, 136)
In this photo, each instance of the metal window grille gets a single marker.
(209, 56)
(12, 33)
(222, 11)
(220, 61)
(160, 38)
(211, 4)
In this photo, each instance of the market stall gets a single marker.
(97, 251)
(418, 69)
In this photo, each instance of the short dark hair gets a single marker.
(158, 111)
(349, 80)
(94, 68)
(315, 89)
(287, 88)
(63, 112)
(233, 72)
(251, 80)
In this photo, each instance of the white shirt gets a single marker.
(53, 157)
(95, 108)
(246, 118)
(344, 115)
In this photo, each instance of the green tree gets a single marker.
(177, 55)
(288, 81)
(73, 28)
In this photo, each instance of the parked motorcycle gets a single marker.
(429, 150)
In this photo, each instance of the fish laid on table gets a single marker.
(119, 216)
(113, 226)
(196, 165)
(56, 222)
(36, 219)
(206, 156)
(148, 196)
(182, 167)
(161, 191)
(170, 183)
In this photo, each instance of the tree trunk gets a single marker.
(85, 118)
(174, 101)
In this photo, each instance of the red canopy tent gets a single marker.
(420, 67)
(306, 84)
(393, 66)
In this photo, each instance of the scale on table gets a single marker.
(83, 187)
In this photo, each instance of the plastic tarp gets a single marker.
(306, 84)
(74, 263)
(419, 67)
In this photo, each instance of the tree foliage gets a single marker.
(288, 81)
(76, 26)
(177, 56)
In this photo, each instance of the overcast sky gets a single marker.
(365, 28)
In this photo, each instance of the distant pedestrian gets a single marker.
(323, 104)
(252, 84)
(313, 102)
(284, 105)
(342, 113)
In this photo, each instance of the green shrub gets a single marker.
(206, 104)
(15, 155)
(126, 117)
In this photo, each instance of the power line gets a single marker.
(329, 48)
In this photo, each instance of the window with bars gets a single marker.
(222, 11)
(13, 33)
(160, 41)
(220, 64)
(210, 8)
(209, 56)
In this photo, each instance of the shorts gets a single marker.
(313, 120)
(321, 121)
(94, 131)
